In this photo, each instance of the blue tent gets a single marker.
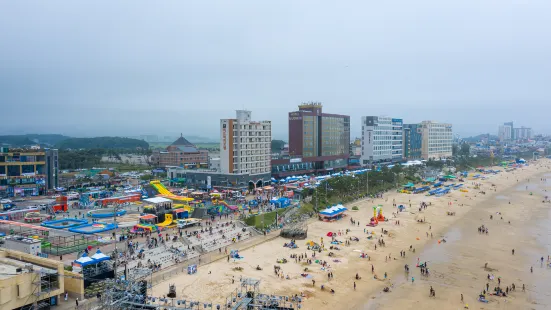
(100, 257)
(84, 260)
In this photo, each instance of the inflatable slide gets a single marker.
(164, 192)
(169, 222)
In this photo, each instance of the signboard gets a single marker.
(208, 181)
(224, 133)
(295, 160)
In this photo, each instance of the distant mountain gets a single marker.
(103, 143)
(32, 139)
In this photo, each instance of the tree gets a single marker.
(277, 145)
(455, 149)
(465, 149)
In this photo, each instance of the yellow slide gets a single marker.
(168, 221)
(159, 187)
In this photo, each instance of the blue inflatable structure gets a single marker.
(104, 213)
(93, 228)
(63, 223)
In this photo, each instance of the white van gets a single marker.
(188, 223)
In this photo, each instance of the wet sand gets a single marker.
(457, 266)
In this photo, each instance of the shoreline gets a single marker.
(368, 290)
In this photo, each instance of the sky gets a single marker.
(129, 68)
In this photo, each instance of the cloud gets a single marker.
(120, 68)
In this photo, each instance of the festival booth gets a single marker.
(332, 213)
(282, 202)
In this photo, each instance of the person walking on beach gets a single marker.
(513, 252)
(354, 285)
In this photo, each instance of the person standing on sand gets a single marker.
(354, 285)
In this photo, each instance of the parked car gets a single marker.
(5, 201)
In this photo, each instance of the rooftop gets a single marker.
(182, 142)
(9, 267)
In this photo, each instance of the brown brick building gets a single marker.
(181, 153)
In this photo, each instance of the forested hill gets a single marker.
(103, 143)
(32, 139)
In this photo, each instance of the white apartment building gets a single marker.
(436, 141)
(523, 133)
(505, 133)
(382, 139)
(245, 145)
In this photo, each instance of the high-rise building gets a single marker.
(511, 125)
(506, 132)
(522, 133)
(318, 142)
(382, 139)
(412, 141)
(245, 145)
(437, 140)
(28, 172)
(51, 169)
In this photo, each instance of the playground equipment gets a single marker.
(63, 223)
(377, 216)
(60, 204)
(380, 216)
(104, 213)
(164, 192)
(145, 227)
(35, 217)
(93, 228)
(169, 222)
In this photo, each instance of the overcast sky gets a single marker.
(127, 68)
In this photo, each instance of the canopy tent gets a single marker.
(335, 210)
(100, 257)
(85, 260)
(148, 217)
(449, 176)
(409, 185)
(157, 200)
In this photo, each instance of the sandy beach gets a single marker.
(456, 266)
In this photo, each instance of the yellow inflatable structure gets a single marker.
(169, 222)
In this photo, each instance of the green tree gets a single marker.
(465, 149)
(455, 149)
(277, 145)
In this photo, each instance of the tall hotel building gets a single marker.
(318, 142)
(382, 139)
(437, 140)
(245, 145)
